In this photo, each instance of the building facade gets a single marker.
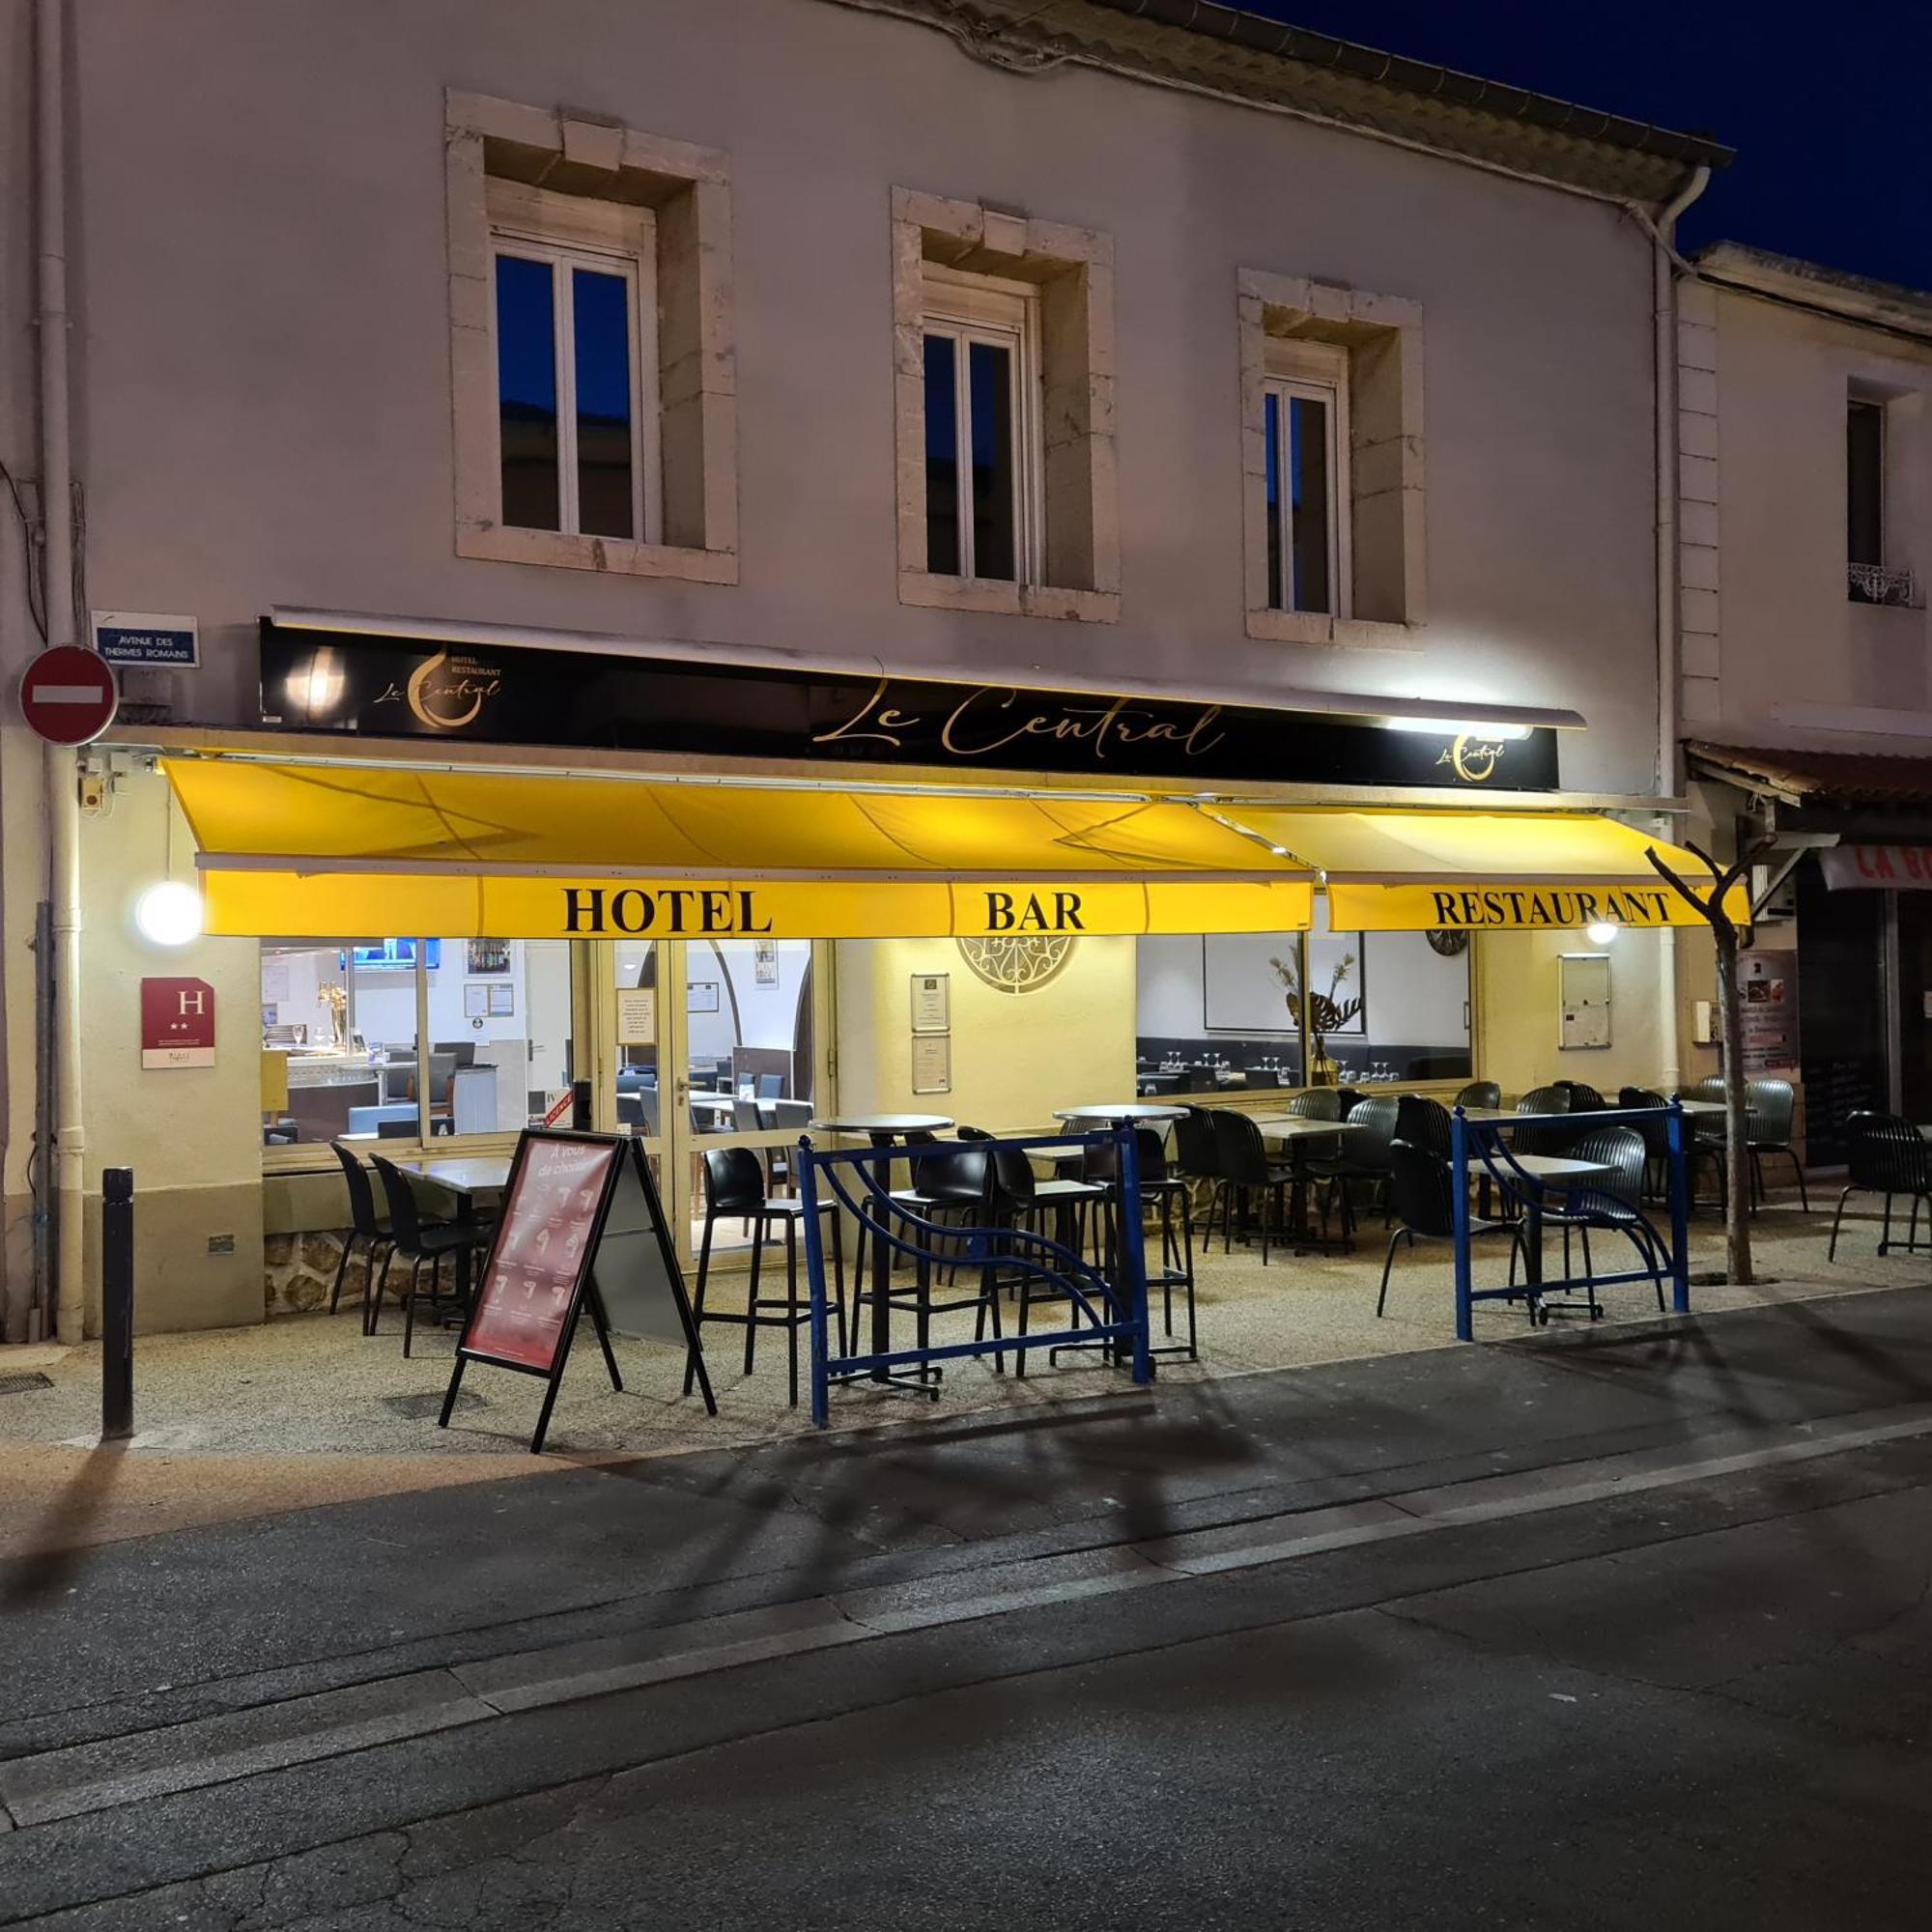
(714, 392)
(1807, 709)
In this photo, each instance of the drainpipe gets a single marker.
(61, 780)
(1664, 260)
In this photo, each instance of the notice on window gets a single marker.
(528, 1293)
(638, 1016)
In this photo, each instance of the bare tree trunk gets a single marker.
(1737, 1143)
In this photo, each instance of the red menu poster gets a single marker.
(549, 1218)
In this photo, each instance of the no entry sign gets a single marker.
(68, 695)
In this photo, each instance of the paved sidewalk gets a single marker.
(238, 1423)
(354, 1590)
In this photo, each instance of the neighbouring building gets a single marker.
(1807, 487)
(776, 553)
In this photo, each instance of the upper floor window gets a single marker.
(594, 400)
(981, 363)
(1003, 411)
(1331, 463)
(1874, 574)
(1305, 432)
(576, 365)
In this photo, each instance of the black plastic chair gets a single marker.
(1485, 1094)
(1583, 1097)
(1247, 1171)
(366, 1224)
(1020, 1202)
(1423, 1122)
(1543, 1140)
(422, 1240)
(1613, 1205)
(1422, 1203)
(1885, 1154)
(1364, 1157)
(1698, 1154)
(1196, 1154)
(734, 1189)
(1319, 1103)
(1770, 1110)
(1166, 1194)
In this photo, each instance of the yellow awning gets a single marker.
(1409, 871)
(289, 849)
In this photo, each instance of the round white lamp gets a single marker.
(1600, 932)
(168, 914)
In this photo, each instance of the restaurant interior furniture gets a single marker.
(420, 1240)
(1484, 1093)
(1885, 1154)
(734, 1190)
(792, 1118)
(1245, 1172)
(365, 1224)
(372, 1120)
(1770, 1110)
(1422, 1203)
(1612, 1203)
(1364, 1157)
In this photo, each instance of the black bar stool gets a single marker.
(734, 1190)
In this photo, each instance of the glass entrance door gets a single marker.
(715, 1044)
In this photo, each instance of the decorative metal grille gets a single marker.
(1874, 584)
(1020, 962)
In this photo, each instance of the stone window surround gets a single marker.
(1383, 336)
(686, 189)
(1073, 269)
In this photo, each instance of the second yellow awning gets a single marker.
(1412, 871)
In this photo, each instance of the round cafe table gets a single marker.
(885, 1131)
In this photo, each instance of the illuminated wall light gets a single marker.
(1460, 727)
(318, 690)
(1600, 932)
(168, 914)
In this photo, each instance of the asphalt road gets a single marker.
(1656, 1656)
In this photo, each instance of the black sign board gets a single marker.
(407, 686)
(582, 1225)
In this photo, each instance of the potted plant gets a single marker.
(1325, 1012)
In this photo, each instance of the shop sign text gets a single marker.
(1495, 906)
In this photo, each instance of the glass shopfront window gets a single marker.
(1223, 1010)
(407, 1039)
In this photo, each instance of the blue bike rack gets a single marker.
(1111, 1311)
(1484, 1139)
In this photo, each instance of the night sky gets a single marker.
(1829, 108)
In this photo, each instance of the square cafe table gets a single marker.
(471, 1178)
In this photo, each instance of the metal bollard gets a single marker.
(117, 1303)
(579, 1105)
